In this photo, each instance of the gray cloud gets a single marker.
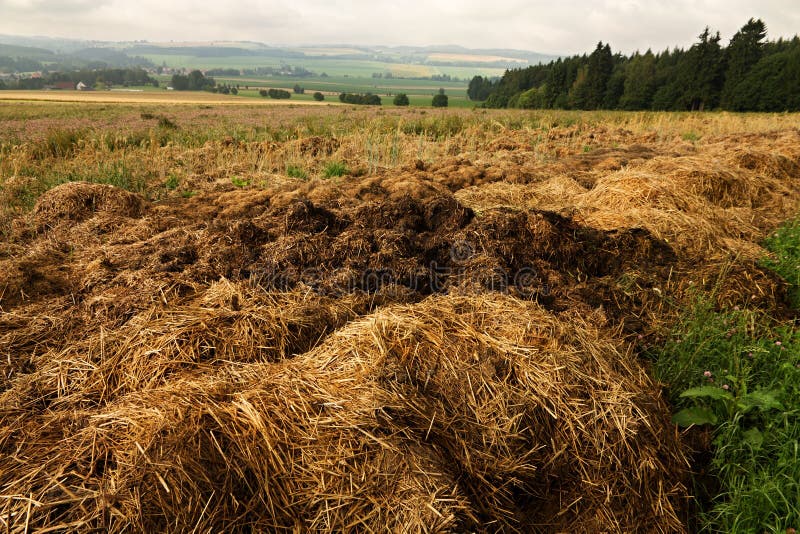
(566, 26)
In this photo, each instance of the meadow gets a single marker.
(336, 318)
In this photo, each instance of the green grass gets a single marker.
(335, 169)
(785, 246)
(296, 172)
(740, 373)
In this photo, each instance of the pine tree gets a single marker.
(701, 73)
(640, 82)
(601, 66)
(744, 52)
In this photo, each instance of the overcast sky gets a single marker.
(552, 26)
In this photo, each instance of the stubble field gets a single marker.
(221, 318)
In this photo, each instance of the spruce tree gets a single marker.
(744, 52)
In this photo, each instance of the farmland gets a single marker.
(229, 317)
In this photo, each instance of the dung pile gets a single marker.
(447, 415)
(437, 348)
(77, 201)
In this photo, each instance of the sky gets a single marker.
(552, 26)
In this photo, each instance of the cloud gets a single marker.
(566, 26)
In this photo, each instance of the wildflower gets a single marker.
(707, 374)
(750, 355)
(778, 343)
(726, 387)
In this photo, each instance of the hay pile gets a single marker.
(446, 415)
(77, 201)
(441, 348)
(713, 201)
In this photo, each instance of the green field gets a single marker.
(420, 92)
(332, 67)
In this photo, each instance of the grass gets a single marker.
(293, 171)
(335, 169)
(785, 260)
(737, 372)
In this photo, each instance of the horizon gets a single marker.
(573, 27)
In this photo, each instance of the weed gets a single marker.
(172, 182)
(59, 144)
(240, 182)
(188, 194)
(167, 124)
(735, 371)
(785, 259)
(692, 137)
(296, 172)
(335, 169)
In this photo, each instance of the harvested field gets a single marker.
(444, 339)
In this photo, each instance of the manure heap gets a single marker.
(441, 348)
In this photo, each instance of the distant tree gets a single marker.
(367, 99)
(772, 85)
(234, 91)
(319, 97)
(439, 100)
(640, 82)
(701, 73)
(601, 66)
(615, 86)
(401, 99)
(194, 81)
(279, 94)
(298, 90)
(479, 89)
(180, 82)
(263, 92)
(744, 52)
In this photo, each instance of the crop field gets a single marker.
(335, 319)
(420, 92)
(333, 66)
(151, 96)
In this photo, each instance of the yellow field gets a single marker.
(331, 51)
(472, 57)
(142, 98)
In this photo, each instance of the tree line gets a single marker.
(750, 74)
(92, 78)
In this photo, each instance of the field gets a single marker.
(420, 92)
(152, 96)
(332, 318)
(332, 66)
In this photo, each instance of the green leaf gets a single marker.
(754, 438)
(762, 400)
(711, 392)
(694, 416)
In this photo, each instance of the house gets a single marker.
(66, 86)
(82, 87)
